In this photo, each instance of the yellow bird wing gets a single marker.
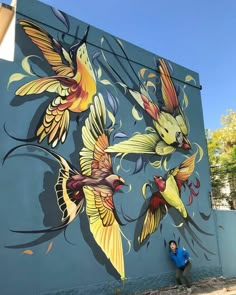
(171, 99)
(164, 149)
(172, 196)
(182, 122)
(56, 122)
(182, 172)
(139, 143)
(55, 84)
(55, 54)
(103, 225)
(168, 89)
(144, 100)
(151, 222)
(93, 158)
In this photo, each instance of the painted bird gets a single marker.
(169, 121)
(169, 196)
(74, 82)
(94, 185)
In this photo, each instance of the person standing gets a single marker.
(181, 259)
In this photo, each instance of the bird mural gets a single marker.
(168, 196)
(74, 82)
(170, 125)
(94, 186)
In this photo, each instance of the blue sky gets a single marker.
(199, 35)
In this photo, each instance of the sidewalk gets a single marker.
(211, 286)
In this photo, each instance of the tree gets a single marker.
(222, 158)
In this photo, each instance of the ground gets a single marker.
(211, 286)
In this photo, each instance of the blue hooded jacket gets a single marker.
(179, 257)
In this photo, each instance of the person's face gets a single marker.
(172, 247)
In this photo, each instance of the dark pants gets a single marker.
(181, 275)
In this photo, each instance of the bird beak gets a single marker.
(186, 145)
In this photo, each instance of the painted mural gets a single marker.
(133, 154)
(74, 83)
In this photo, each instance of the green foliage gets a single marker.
(222, 157)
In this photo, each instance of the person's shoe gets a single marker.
(189, 290)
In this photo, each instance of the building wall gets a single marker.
(77, 259)
(225, 236)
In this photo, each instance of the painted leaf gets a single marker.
(62, 17)
(112, 100)
(111, 117)
(151, 75)
(139, 165)
(144, 189)
(122, 157)
(201, 153)
(193, 192)
(120, 125)
(15, 77)
(136, 114)
(204, 216)
(128, 242)
(165, 164)
(190, 199)
(130, 188)
(179, 225)
(118, 155)
(185, 100)
(99, 73)
(120, 135)
(142, 72)
(28, 252)
(151, 84)
(117, 168)
(49, 247)
(26, 65)
(122, 85)
(197, 184)
(189, 78)
(105, 82)
(96, 55)
(156, 164)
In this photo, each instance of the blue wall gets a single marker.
(225, 221)
(45, 263)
